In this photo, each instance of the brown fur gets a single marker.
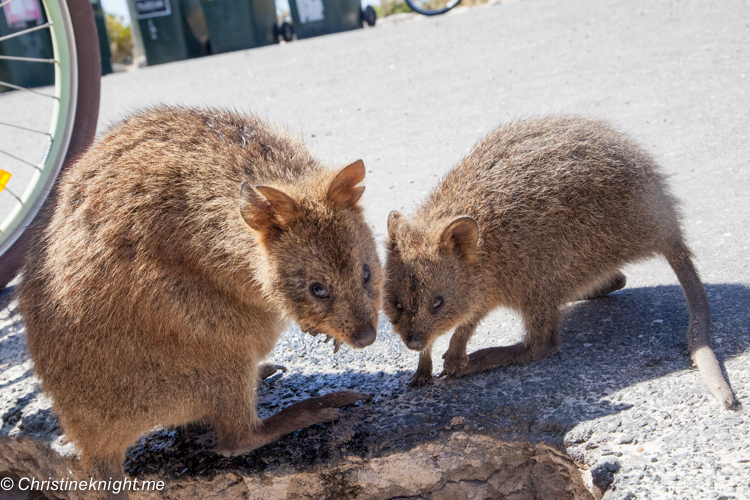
(541, 212)
(149, 301)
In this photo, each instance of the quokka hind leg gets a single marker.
(699, 341)
(240, 432)
(616, 282)
(103, 446)
(542, 339)
(109, 470)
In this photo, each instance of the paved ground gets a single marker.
(411, 98)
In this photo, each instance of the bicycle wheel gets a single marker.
(369, 16)
(432, 7)
(70, 110)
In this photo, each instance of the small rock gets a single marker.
(627, 439)
(604, 474)
(458, 421)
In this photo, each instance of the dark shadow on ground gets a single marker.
(6, 295)
(611, 343)
(12, 342)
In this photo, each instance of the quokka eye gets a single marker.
(319, 291)
(438, 303)
(365, 274)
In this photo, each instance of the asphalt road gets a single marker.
(410, 99)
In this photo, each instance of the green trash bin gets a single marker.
(18, 16)
(101, 30)
(264, 21)
(239, 24)
(171, 30)
(229, 24)
(322, 17)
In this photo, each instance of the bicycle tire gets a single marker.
(369, 16)
(84, 128)
(287, 32)
(426, 12)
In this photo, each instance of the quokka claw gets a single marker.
(420, 379)
(336, 343)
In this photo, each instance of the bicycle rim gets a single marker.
(65, 62)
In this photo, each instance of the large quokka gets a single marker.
(541, 212)
(179, 246)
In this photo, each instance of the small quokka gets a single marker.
(540, 213)
(178, 248)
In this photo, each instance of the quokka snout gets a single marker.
(177, 249)
(541, 212)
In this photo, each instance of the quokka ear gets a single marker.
(264, 207)
(460, 235)
(342, 191)
(395, 221)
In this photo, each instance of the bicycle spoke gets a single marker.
(64, 20)
(4, 178)
(30, 30)
(16, 87)
(28, 59)
(6, 190)
(27, 129)
(21, 160)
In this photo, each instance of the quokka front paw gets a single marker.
(267, 369)
(454, 363)
(420, 379)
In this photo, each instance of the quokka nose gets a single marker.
(365, 337)
(414, 344)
